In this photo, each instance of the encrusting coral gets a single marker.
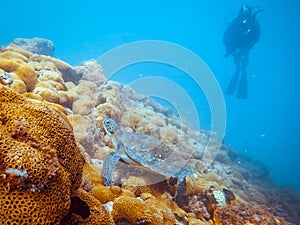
(31, 120)
(40, 163)
(41, 167)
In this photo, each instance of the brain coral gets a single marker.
(40, 163)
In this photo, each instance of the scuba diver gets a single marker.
(239, 37)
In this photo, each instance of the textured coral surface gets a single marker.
(33, 123)
(40, 161)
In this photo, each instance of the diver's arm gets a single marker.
(229, 38)
(253, 36)
(255, 30)
(259, 11)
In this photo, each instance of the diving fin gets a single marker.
(232, 85)
(242, 91)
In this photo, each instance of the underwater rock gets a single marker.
(39, 46)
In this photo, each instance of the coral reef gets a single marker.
(52, 146)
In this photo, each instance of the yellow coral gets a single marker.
(49, 85)
(25, 186)
(28, 75)
(147, 209)
(99, 191)
(41, 165)
(25, 72)
(18, 49)
(18, 85)
(64, 99)
(104, 194)
(162, 205)
(192, 220)
(83, 106)
(80, 125)
(47, 94)
(43, 125)
(9, 65)
(132, 209)
(56, 107)
(13, 55)
(96, 213)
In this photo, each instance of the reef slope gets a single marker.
(52, 146)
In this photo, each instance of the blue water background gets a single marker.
(266, 126)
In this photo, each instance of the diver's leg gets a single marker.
(242, 91)
(234, 80)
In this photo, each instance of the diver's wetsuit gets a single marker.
(239, 37)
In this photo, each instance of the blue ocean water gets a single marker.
(266, 126)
